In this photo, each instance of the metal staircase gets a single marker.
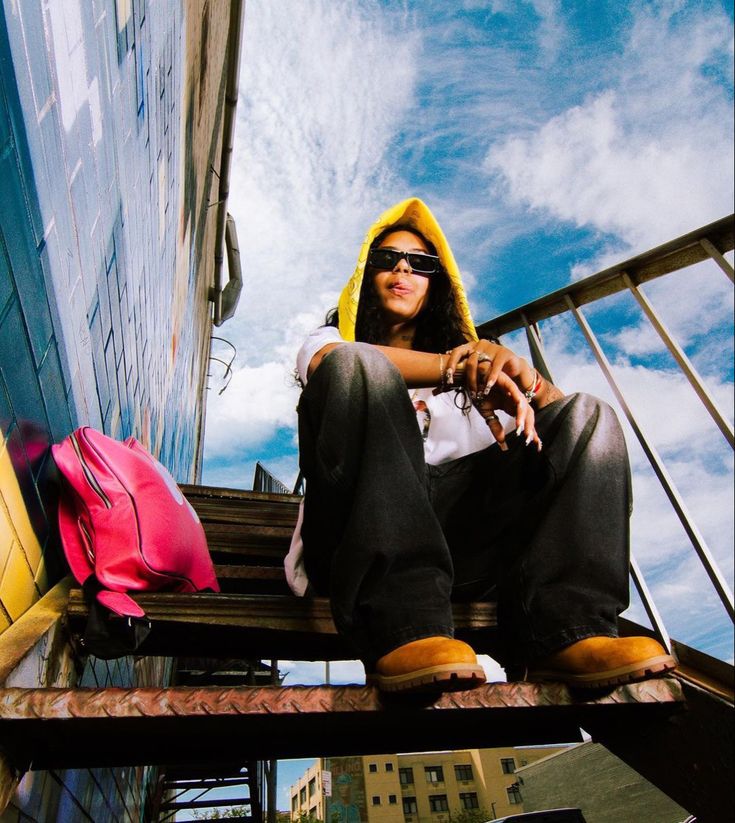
(676, 731)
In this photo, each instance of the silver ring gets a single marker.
(484, 358)
(492, 417)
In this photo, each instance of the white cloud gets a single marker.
(646, 159)
(257, 402)
(315, 119)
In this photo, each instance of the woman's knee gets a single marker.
(352, 362)
(582, 415)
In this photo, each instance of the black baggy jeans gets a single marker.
(392, 541)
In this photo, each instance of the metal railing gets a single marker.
(709, 242)
(264, 481)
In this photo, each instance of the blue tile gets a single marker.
(7, 286)
(100, 366)
(53, 390)
(18, 370)
(114, 297)
(17, 234)
(5, 124)
(50, 260)
(6, 411)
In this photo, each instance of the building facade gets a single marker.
(619, 792)
(111, 135)
(414, 788)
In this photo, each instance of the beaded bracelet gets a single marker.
(535, 387)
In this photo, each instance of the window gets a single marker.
(438, 803)
(514, 794)
(463, 772)
(392, 799)
(312, 787)
(469, 800)
(508, 765)
(409, 805)
(434, 774)
(405, 776)
(389, 767)
(373, 767)
(302, 794)
(376, 800)
(295, 802)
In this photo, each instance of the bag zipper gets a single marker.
(91, 479)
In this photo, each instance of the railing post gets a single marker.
(698, 541)
(685, 364)
(536, 346)
(648, 604)
(718, 257)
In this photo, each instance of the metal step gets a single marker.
(261, 626)
(84, 728)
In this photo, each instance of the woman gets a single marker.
(400, 518)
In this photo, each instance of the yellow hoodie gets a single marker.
(414, 213)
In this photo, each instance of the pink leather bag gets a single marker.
(125, 525)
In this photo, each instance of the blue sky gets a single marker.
(551, 140)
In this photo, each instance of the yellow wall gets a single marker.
(22, 570)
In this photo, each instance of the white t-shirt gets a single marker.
(449, 434)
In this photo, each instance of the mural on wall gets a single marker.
(347, 803)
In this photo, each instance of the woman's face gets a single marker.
(401, 293)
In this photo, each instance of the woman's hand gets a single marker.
(470, 355)
(506, 396)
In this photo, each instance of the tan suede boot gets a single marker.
(603, 661)
(432, 663)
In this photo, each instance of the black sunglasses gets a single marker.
(387, 260)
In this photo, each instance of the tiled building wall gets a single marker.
(110, 127)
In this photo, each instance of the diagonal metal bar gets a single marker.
(718, 257)
(698, 541)
(685, 364)
(536, 346)
(649, 605)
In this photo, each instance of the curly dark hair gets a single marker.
(439, 327)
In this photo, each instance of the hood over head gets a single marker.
(416, 214)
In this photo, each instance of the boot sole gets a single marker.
(641, 670)
(446, 677)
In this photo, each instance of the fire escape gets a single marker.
(224, 716)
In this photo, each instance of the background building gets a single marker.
(591, 778)
(414, 788)
(112, 121)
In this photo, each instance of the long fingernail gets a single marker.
(503, 447)
(540, 445)
(518, 431)
(449, 374)
(529, 439)
(487, 388)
